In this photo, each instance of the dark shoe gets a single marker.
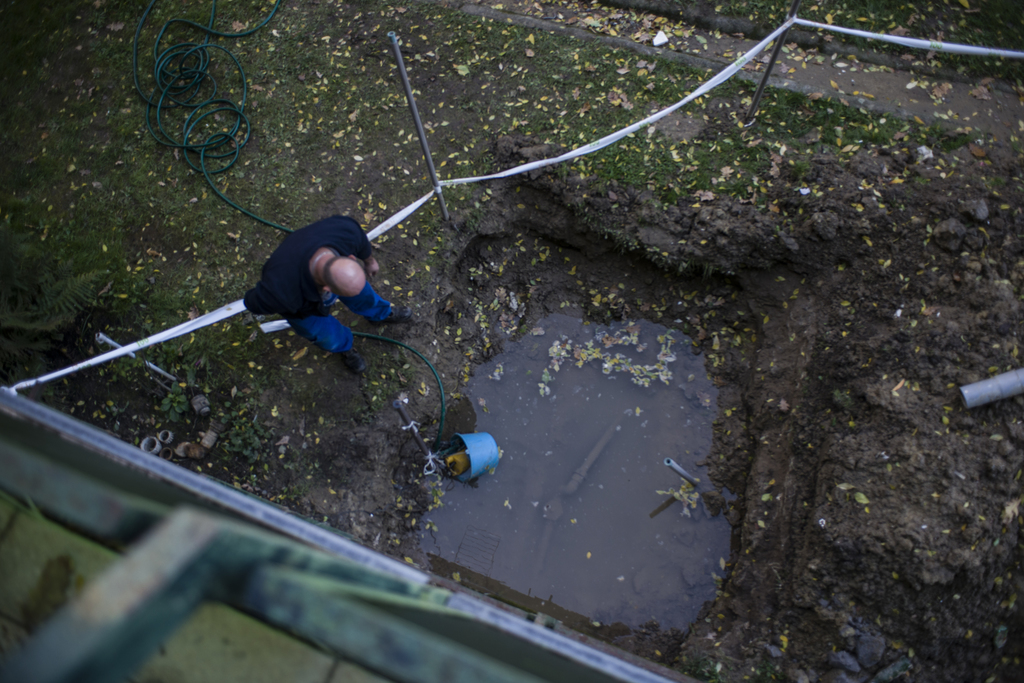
(398, 314)
(353, 361)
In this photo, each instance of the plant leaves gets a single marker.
(861, 498)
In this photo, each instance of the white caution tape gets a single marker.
(607, 140)
(274, 326)
(398, 217)
(918, 43)
(722, 76)
(190, 326)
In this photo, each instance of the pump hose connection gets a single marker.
(440, 387)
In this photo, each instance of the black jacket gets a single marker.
(286, 286)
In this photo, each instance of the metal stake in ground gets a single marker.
(102, 338)
(749, 121)
(419, 124)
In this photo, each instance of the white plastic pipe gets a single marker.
(993, 389)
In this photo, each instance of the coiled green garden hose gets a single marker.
(182, 77)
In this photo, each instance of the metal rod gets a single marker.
(419, 124)
(749, 121)
(409, 425)
(102, 338)
(669, 462)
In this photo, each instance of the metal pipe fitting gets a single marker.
(209, 439)
(166, 436)
(150, 445)
(995, 388)
(190, 450)
(201, 405)
(669, 462)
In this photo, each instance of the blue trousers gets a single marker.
(326, 332)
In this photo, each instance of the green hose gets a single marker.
(181, 72)
(440, 387)
(182, 77)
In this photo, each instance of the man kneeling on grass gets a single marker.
(312, 268)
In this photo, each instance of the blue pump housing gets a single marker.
(483, 454)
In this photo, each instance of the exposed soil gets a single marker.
(838, 328)
(838, 331)
(821, 384)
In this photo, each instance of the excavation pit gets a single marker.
(579, 512)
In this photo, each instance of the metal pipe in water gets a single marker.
(553, 509)
(669, 462)
(581, 471)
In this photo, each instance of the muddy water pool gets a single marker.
(585, 416)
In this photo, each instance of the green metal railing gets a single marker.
(192, 540)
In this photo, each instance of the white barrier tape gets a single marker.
(721, 77)
(205, 320)
(202, 321)
(398, 217)
(918, 43)
(276, 325)
(190, 326)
